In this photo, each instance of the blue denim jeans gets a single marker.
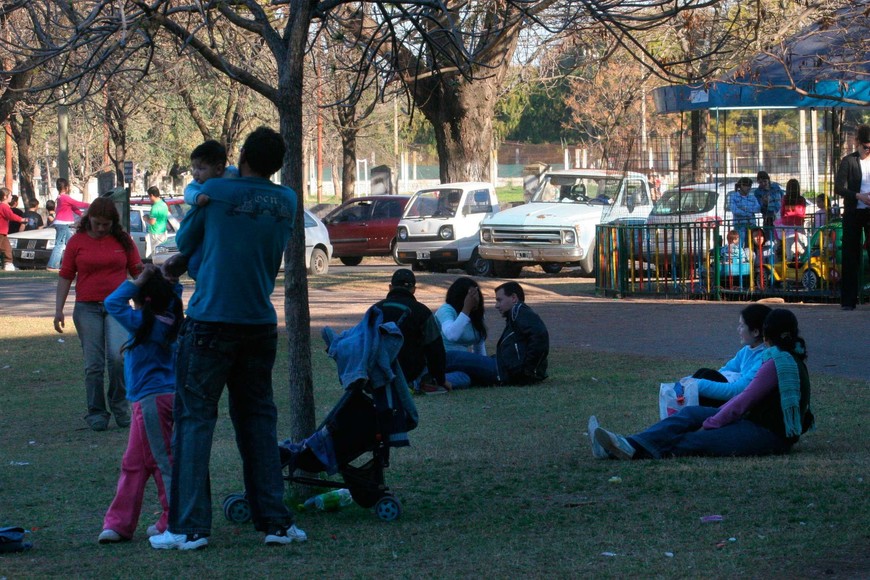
(240, 356)
(102, 338)
(61, 236)
(481, 370)
(681, 434)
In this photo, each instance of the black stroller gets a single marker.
(374, 413)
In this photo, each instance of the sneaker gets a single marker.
(432, 389)
(283, 536)
(169, 541)
(98, 424)
(123, 422)
(109, 537)
(615, 444)
(8, 267)
(598, 452)
(152, 531)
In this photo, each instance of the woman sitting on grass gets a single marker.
(461, 321)
(716, 387)
(767, 418)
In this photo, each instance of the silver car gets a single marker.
(318, 249)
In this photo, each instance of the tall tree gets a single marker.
(436, 50)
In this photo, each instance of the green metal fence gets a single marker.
(695, 261)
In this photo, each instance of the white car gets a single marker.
(318, 249)
(439, 228)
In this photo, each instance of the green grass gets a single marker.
(498, 482)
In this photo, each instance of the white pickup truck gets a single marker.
(557, 228)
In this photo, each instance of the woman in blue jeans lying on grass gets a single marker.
(765, 419)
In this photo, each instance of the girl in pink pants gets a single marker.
(149, 367)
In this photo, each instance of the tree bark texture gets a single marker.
(22, 133)
(461, 115)
(116, 122)
(347, 130)
(298, 318)
(699, 123)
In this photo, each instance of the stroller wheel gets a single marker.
(237, 509)
(388, 508)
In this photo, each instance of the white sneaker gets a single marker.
(8, 267)
(109, 537)
(169, 541)
(598, 452)
(285, 536)
(152, 531)
(615, 444)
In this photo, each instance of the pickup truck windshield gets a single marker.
(570, 189)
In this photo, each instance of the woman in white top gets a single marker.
(461, 318)
(461, 322)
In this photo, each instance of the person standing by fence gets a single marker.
(853, 185)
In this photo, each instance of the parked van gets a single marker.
(439, 228)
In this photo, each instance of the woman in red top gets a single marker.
(99, 256)
(790, 226)
(794, 206)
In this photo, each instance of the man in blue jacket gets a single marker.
(229, 338)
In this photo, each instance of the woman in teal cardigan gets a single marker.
(765, 419)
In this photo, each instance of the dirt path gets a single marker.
(838, 341)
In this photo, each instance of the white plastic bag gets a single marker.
(670, 403)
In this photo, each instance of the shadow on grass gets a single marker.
(498, 482)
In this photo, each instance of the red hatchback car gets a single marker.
(365, 226)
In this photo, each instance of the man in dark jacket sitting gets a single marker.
(423, 348)
(525, 343)
(521, 353)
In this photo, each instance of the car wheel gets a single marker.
(418, 266)
(478, 266)
(551, 268)
(319, 264)
(351, 260)
(504, 269)
(394, 252)
(810, 279)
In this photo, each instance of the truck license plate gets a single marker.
(28, 255)
(422, 255)
(522, 255)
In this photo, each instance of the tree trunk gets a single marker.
(22, 132)
(298, 319)
(838, 137)
(347, 129)
(463, 125)
(699, 122)
(116, 123)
